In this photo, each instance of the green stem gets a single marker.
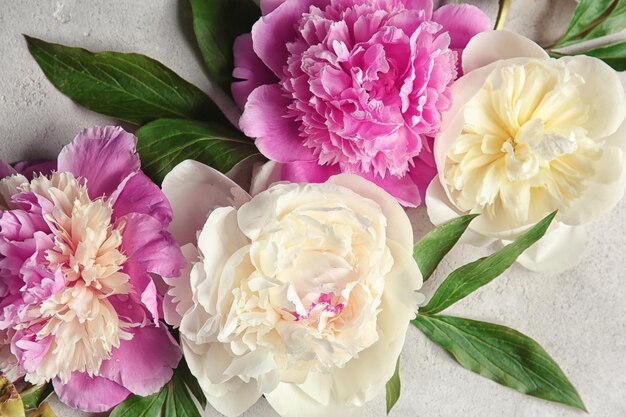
(503, 10)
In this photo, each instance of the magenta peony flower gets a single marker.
(353, 86)
(79, 239)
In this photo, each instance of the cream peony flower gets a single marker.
(302, 293)
(528, 135)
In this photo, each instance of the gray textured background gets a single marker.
(578, 316)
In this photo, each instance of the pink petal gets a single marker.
(277, 137)
(6, 170)
(424, 171)
(425, 5)
(268, 6)
(140, 195)
(30, 168)
(91, 394)
(403, 189)
(274, 30)
(309, 171)
(104, 156)
(146, 362)
(250, 69)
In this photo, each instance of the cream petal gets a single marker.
(399, 227)
(560, 249)
(602, 91)
(179, 297)
(194, 190)
(289, 400)
(492, 46)
(265, 175)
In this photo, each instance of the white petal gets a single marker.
(263, 176)
(179, 297)
(492, 46)
(290, 401)
(602, 91)
(194, 190)
(559, 249)
(399, 227)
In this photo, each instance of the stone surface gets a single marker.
(579, 316)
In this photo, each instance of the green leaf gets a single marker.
(178, 402)
(393, 388)
(590, 16)
(615, 22)
(136, 406)
(217, 23)
(165, 143)
(431, 249)
(35, 395)
(129, 87)
(43, 410)
(501, 354)
(191, 382)
(10, 402)
(468, 278)
(613, 54)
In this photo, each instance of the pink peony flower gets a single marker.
(79, 239)
(355, 86)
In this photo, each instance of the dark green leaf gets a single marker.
(217, 23)
(129, 87)
(588, 15)
(136, 406)
(191, 382)
(613, 54)
(35, 395)
(179, 402)
(165, 143)
(431, 249)
(470, 277)
(393, 388)
(503, 355)
(615, 22)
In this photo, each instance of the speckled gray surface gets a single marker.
(579, 316)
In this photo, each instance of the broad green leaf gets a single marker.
(10, 402)
(501, 354)
(431, 248)
(43, 410)
(191, 382)
(587, 15)
(217, 23)
(136, 406)
(35, 395)
(178, 402)
(613, 54)
(165, 143)
(468, 278)
(129, 87)
(393, 388)
(615, 22)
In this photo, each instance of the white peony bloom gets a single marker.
(528, 135)
(302, 293)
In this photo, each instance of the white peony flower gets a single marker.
(528, 135)
(302, 293)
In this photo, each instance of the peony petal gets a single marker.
(179, 297)
(6, 170)
(31, 168)
(289, 400)
(488, 47)
(91, 394)
(248, 68)
(194, 190)
(272, 33)
(602, 91)
(403, 189)
(560, 249)
(104, 156)
(277, 136)
(268, 6)
(146, 362)
(140, 195)
(423, 172)
(308, 171)
(264, 176)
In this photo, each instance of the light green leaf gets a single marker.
(217, 23)
(468, 278)
(165, 143)
(179, 402)
(501, 354)
(615, 22)
(35, 395)
(393, 388)
(588, 15)
(10, 402)
(136, 406)
(431, 248)
(129, 87)
(613, 54)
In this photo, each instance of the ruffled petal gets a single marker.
(277, 136)
(91, 394)
(104, 156)
(140, 195)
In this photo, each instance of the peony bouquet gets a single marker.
(207, 260)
